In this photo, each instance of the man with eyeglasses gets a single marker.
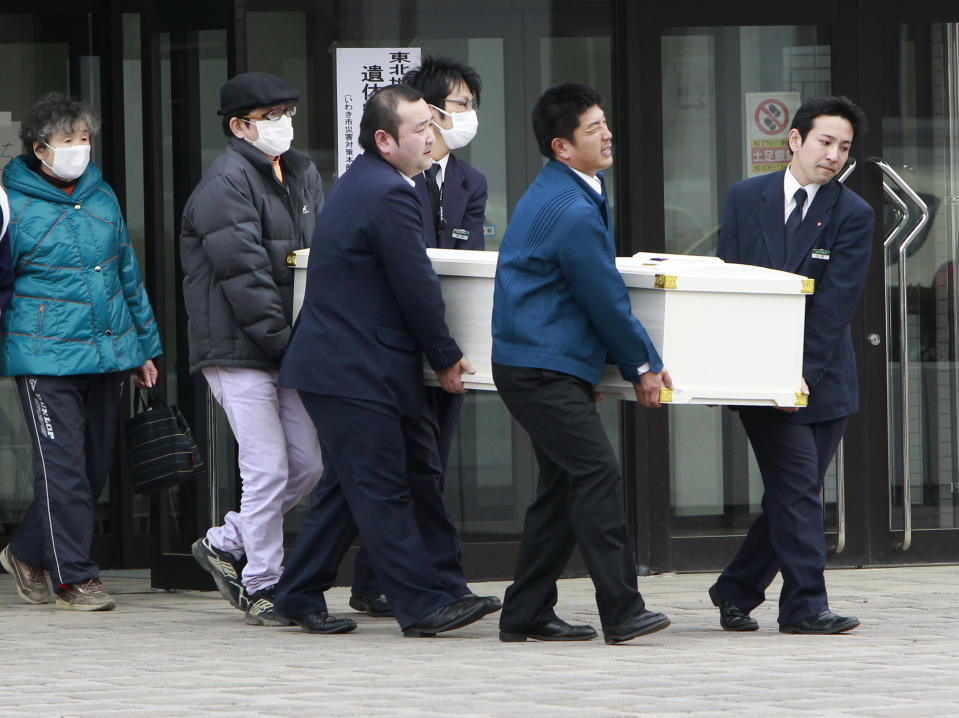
(453, 197)
(256, 203)
(452, 192)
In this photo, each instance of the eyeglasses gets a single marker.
(274, 115)
(464, 105)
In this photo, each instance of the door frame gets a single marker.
(885, 544)
(182, 19)
(639, 42)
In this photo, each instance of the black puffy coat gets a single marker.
(238, 227)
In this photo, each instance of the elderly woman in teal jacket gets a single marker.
(78, 323)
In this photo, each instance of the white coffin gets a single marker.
(727, 333)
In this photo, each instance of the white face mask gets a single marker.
(69, 162)
(464, 128)
(275, 135)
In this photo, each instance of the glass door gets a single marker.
(728, 95)
(183, 61)
(917, 504)
(60, 51)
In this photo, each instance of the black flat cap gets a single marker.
(255, 89)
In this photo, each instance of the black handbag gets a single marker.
(161, 450)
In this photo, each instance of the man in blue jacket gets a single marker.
(560, 312)
(801, 220)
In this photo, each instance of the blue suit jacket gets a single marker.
(558, 301)
(464, 207)
(839, 226)
(373, 304)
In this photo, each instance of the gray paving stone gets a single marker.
(189, 654)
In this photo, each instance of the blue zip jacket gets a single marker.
(559, 302)
(79, 305)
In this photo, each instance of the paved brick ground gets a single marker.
(190, 654)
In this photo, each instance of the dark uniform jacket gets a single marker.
(832, 247)
(373, 306)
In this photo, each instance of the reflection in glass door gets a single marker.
(920, 165)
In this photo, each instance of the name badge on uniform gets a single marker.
(461, 233)
(821, 254)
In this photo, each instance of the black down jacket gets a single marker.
(238, 227)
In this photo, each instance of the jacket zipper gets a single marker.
(39, 327)
(293, 215)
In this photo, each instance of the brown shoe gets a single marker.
(85, 596)
(31, 581)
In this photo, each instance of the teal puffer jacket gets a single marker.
(79, 305)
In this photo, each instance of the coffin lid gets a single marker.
(679, 272)
(644, 270)
(463, 262)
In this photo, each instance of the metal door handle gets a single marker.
(902, 212)
(840, 498)
(840, 456)
(848, 170)
(903, 332)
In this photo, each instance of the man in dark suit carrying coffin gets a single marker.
(372, 309)
(800, 220)
(453, 196)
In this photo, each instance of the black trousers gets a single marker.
(445, 407)
(72, 422)
(433, 435)
(369, 461)
(425, 479)
(579, 500)
(788, 535)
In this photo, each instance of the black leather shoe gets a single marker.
(493, 604)
(462, 612)
(731, 618)
(374, 605)
(825, 623)
(322, 622)
(555, 630)
(639, 625)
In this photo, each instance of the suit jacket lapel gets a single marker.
(429, 228)
(454, 200)
(771, 219)
(815, 221)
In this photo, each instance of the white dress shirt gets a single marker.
(790, 185)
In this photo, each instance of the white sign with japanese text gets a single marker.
(768, 118)
(361, 71)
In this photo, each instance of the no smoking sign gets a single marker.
(772, 116)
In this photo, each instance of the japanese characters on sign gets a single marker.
(361, 71)
(768, 118)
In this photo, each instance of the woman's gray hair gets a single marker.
(55, 113)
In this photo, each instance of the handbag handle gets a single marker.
(152, 400)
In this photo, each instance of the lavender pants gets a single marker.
(280, 462)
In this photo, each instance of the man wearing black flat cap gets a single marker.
(256, 203)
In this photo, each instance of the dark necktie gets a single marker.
(795, 218)
(434, 189)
